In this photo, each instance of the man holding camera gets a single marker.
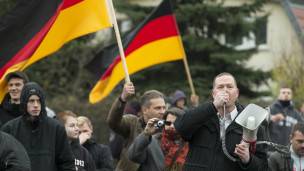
(129, 126)
(215, 146)
(159, 147)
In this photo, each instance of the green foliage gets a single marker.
(289, 72)
(200, 24)
(6, 5)
(68, 84)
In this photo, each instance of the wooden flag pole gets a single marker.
(189, 75)
(187, 69)
(119, 42)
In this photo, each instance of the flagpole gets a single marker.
(119, 42)
(187, 68)
(189, 75)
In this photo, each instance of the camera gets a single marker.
(159, 124)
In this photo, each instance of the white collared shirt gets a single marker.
(229, 118)
(298, 162)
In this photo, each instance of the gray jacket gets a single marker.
(146, 151)
(280, 162)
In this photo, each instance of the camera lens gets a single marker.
(159, 124)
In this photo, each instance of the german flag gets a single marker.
(156, 40)
(34, 29)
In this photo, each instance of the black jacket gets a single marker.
(200, 126)
(13, 156)
(47, 144)
(101, 155)
(83, 159)
(8, 111)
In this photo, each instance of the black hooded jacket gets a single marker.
(44, 139)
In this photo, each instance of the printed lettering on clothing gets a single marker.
(288, 122)
(79, 163)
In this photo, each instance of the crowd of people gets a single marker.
(148, 134)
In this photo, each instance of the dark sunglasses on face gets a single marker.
(168, 123)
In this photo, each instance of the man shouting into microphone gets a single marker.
(201, 127)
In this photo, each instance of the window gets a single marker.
(258, 37)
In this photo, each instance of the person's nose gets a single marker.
(36, 104)
(162, 111)
(77, 129)
(225, 89)
(13, 87)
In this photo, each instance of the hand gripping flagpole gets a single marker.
(118, 38)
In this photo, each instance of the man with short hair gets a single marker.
(129, 126)
(283, 117)
(44, 138)
(292, 160)
(214, 136)
(10, 106)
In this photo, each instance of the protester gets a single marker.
(116, 141)
(160, 150)
(83, 159)
(101, 153)
(10, 106)
(283, 117)
(291, 160)
(44, 138)
(129, 126)
(13, 156)
(201, 127)
(179, 99)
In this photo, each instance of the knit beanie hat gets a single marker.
(178, 94)
(29, 89)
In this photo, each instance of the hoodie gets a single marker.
(44, 139)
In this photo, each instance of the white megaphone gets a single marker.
(250, 119)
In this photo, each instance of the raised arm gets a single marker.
(194, 119)
(138, 151)
(115, 116)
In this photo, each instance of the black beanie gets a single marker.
(31, 88)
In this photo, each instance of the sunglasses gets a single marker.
(168, 123)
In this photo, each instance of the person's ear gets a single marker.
(144, 109)
(212, 94)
